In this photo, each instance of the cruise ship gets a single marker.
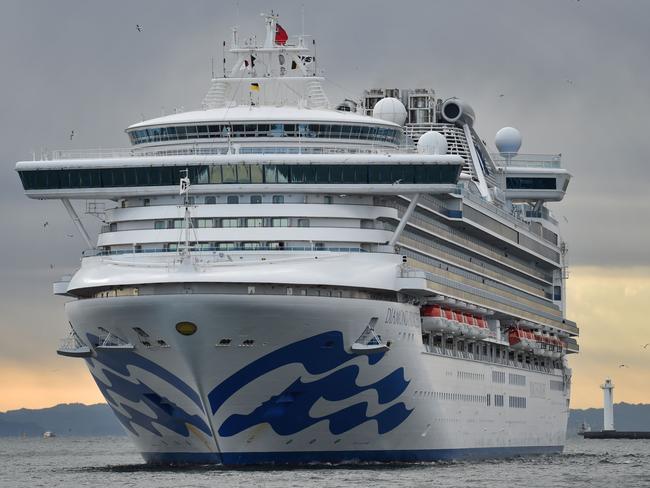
(279, 279)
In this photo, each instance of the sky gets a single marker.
(573, 74)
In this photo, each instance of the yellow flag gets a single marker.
(255, 87)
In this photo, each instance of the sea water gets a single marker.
(113, 462)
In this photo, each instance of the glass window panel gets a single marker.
(303, 222)
(229, 223)
(215, 175)
(232, 199)
(255, 222)
(282, 173)
(335, 132)
(312, 130)
(256, 198)
(181, 133)
(278, 198)
(190, 130)
(322, 173)
(119, 178)
(171, 133)
(229, 173)
(290, 130)
(205, 223)
(257, 173)
(243, 173)
(303, 130)
(379, 173)
(238, 130)
(277, 130)
(270, 173)
(356, 132)
(160, 224)
(214, 130)
(202, 176)
(345, 131)
(210, 200)
(280, 222)
(365, 131)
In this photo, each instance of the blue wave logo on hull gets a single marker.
(288, 411)
(167, 413)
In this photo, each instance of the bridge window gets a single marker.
(530, 183)
(232, 199)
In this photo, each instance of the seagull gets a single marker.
(570, 82)
(501, 95)
(69, 235)
(397, 182)
(45, 224)
(623, 366)
(51, 266)
(646, 346)
(139, 27)
(71, 135)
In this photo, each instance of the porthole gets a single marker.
(186, 328)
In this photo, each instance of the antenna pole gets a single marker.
(313, 41)
(212, 65)
(223, 51)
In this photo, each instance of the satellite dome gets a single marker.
(390, 109)
(432, 142)
(508, 141)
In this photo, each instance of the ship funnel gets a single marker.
(455, 110)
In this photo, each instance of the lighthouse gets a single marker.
(608, 405)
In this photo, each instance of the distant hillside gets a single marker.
(73, 419)
(627, 416)
(76, 419)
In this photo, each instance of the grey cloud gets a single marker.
(82, 66)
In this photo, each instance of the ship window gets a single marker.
(256, 198)
(256, 173)
(243, 174)
(232, 199)
(215, 175)
(210, 200)
(303, 222)
(280, 222)
(229, 174)
(160, 224)
(277, 130)
(203, 223)
(227, 223)
(328, 199)
(278, 198)
(530, 183)
(186, 328)
(255, 222)
(225, 342)
(176, 224)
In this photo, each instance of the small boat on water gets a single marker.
(48, 434)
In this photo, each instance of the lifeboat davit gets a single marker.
(433, 318)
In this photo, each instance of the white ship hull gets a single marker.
(297, 393)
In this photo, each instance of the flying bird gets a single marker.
(570, 82)
(623, 366)
(69, 235)
(45, 224)
(646, 346)
(501, 95)
(139, 27)
(51, 266)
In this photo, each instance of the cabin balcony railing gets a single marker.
(527, 161)
(134, 152)
(120, 252)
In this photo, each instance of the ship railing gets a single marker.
(486, 358)
(120, 252)
(133, 152)
(527, 160)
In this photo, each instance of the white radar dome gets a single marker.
(432, 142)
(508, 141)
(390, 109)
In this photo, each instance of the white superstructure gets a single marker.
(278, 281)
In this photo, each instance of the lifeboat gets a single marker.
(483, 330)
(522, 340)
(433, 318)
(471, 327)
(454, 321)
